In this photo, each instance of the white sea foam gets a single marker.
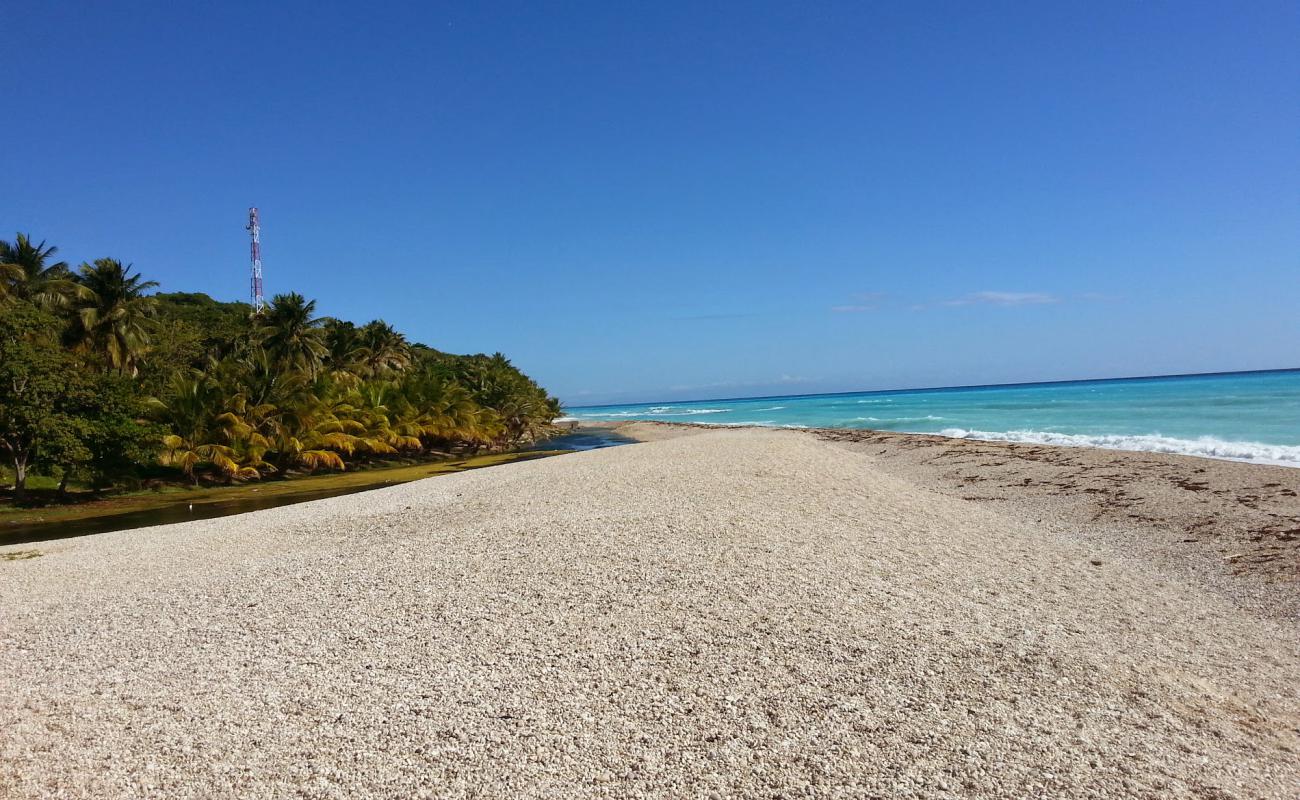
(566, 419)
(743, 424)
(658, 411)
(926, 418)
(773, 408)
(1205, 446)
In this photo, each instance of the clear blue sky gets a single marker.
(654, 201)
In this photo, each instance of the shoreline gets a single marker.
(622, 426)
(1206, 444)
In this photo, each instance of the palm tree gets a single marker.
(188, 454)
(310, 436)
(384, 350)
(292, 335)
(26, 274)
(344, 354)
(435, 407)
(113, 314)
(522, 409)
(377, 432)
(240, 425)
(205, 431)
(258, 375)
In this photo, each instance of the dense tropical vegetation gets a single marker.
(103, 381)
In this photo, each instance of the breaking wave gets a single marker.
(926, 418)
(743, 424)
(658, 411)
(1205, 446)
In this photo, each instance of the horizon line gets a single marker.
(945, 388)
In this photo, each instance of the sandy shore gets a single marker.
(741, 613)
(1230, 524)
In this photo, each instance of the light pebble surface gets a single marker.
(746, 613)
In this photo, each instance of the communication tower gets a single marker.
(255, 254)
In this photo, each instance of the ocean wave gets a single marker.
(657, 411)
(1205, 446)
(565, 419)
(674, 411)
(743, 424)
(773, 408)
(926, 418)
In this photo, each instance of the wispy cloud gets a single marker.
(862, 302)
(705, 317)
(990, 298)
(784, 379)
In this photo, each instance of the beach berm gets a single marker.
(736, 613)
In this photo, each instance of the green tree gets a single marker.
(110, 425)
(344, 354)
(35, 376)
(26, 273)
(113, 314)
(292, 334)
(191, 330)
(234, 395)
(384, 351)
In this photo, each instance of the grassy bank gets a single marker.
(20, 523)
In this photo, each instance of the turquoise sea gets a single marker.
(1250, 416)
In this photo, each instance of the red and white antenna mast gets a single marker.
(255, 252)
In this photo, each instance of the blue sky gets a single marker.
(656, 201)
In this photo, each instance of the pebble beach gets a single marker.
(747, 613)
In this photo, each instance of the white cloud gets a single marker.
(784, 379)
(989, 298)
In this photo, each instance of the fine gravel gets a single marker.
(748, 613)
(1230, 527)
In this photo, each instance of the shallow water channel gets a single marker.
(185, 510)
